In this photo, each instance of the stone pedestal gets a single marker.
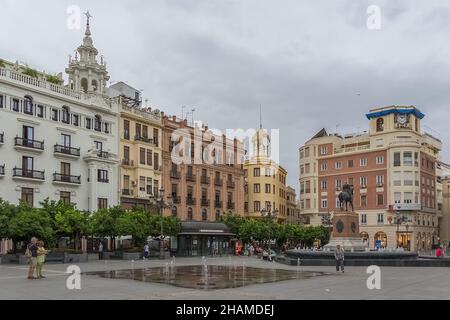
(346, 232)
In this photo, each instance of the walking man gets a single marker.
(100, 251)
(31, 253)
(339, 257)
(146, 251)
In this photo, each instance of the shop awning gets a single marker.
(204, 228)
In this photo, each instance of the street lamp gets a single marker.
(160, 204)
(267, 213)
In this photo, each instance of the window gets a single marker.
(256, 172)
(256, 188)
(302, 187)
(407, 159)
(350, 163)
(380, 218)
(408, 178)
(363, 218)
(54, 115)
(98, 145)
(338, 183)
(350, 181)
(396, 177)
(126, 129)
(363, 182)
(106, 124)
(324, 184)
(126, 184)
(27, 196)
(268, 187)
(65, 140)
(65, 115)
(1, 102)
(149, 186)
(64, 197)
(27, 164)
(204, 215)
(379, 160)
(306, 152)
(380, 181)
(416, 159)
(363, 201)
(397, 197)
(126, 154)
(145, 132)
(28, 133)
(155, 136)
(142, 155)
(380, 199)
(102, 203)
(302, 169)
(190, 214)
(308, 203)
(88, 123)
(408, 197)
(28, 105)
(324, 203)
(97, 123)
(142, 184)
(218, 213)
(76, 120)
(323, 151)
(65, 168)
(40, 111)
(397, 160)
(307, 168)
(380, 124)
(323, 166)
(267, 172)
(256, 206)
(307, 187)
(338, 165)
(363, 162)
(155, 161)
(15, 105)
(149, 157)
(102, 176)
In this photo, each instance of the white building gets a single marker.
(59, 141)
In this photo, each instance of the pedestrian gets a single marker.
(339, 257)
(31, 254)
(146, 251)
(100, 251)
(40, 260)
(438, 252)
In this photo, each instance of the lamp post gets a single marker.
(267, 213)
(160, 204)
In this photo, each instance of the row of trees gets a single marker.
(251, 229)
(55, 220)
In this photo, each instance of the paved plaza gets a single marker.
(396, 283)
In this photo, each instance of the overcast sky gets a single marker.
(310, 64)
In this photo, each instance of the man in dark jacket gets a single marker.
(32, 249)
(339, 257)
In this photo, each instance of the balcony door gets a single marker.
(65, 140)
(65, 168)
(27, 166)
(27, 133)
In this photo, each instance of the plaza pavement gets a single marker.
(396, 283)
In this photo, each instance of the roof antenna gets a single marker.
(260, 117)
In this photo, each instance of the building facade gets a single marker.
(444, 201)
(59, 141)
(393, 171)
(292, 206)
(265, 180)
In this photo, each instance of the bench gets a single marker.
(55, 257)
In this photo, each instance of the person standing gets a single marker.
(31, 253)
(146, 251)
(100, 251)
(339, 257)
(40, 260)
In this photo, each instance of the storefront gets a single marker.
(204, 239)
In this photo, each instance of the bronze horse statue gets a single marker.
(346, 197)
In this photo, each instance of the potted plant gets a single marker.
(30, 72)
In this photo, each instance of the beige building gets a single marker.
(292, 206)
(265, 180)
(393, 171)
(444, 201)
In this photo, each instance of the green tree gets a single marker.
(104, 222)
(7, 212)
(72, 223)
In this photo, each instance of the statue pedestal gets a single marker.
(346, 232)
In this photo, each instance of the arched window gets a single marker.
(364, 236)
(84, 85)
(217, 215)
(381, 236)
(28, 105)
(65, 114)
(98, 123)
(380, 125)
(174, 211)
(94, 85)
(190, 214)
(204, 215)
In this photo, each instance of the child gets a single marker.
(41, 253)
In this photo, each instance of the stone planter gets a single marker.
(75, 257)
(132, 256)
(9, 258)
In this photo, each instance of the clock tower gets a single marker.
(395, 119)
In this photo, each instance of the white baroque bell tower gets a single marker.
(85, 73)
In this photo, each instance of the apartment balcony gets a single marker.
(128, 162)
(190, 201)
(190, 177)
(174, 174)
(103, 154)
(28, 144)
(66, 151)
(127, 192)
(27, 174)
(2, 171)
(204, 179)
(2, 138)
(176, 199)
(218, 182)
(59, 178)
(230, 184)
(143, 139)
(230, 205)
(205, 202)
(217, 204)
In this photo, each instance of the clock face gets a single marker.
(402, 119)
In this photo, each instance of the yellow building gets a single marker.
(140, 153)
(265, 181)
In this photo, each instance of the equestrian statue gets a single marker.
(346, 197)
